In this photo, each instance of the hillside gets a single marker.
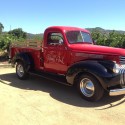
(31, 36)
(104, 30)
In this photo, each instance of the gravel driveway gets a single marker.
(38, 101)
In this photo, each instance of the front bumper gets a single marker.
(115, 92)
(119, 91)
(116, 84)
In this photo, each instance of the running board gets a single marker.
(53, 77)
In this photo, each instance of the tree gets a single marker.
(5, 40)
(19, 33)
(1, 27)
(113, 39)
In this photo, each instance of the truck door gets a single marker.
(55, 53)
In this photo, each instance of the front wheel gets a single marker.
(21, 71)
(89, 87)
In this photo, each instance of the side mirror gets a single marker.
(60, 41)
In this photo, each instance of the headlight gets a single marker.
(116, 68)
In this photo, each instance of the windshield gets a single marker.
(78, 37)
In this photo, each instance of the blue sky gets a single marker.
(34, 16)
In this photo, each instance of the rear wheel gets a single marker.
(89, 88)
(21, 71)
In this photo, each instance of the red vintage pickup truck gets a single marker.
(68, 55)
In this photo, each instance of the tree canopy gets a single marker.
(112, 39)
(7, 37)
(1, 28)
(19, 33)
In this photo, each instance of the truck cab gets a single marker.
(70, 52)
(56, 47)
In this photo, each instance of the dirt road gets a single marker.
(38, 101)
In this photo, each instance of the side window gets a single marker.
(54, 39)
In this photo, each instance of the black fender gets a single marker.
(102, 70)
(24, 57)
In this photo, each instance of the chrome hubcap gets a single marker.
(87, 87)
(20, 70)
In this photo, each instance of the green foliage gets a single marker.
(112, 39)
(7, 38)
(1, 28)
(18, 33)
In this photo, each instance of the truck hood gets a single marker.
(90, 48)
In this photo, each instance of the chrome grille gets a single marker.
(122, 60)
(122, 75)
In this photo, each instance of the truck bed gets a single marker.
(34, 48)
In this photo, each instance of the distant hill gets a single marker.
(104, 30)
(31, 36)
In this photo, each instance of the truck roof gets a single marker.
(67, 28)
